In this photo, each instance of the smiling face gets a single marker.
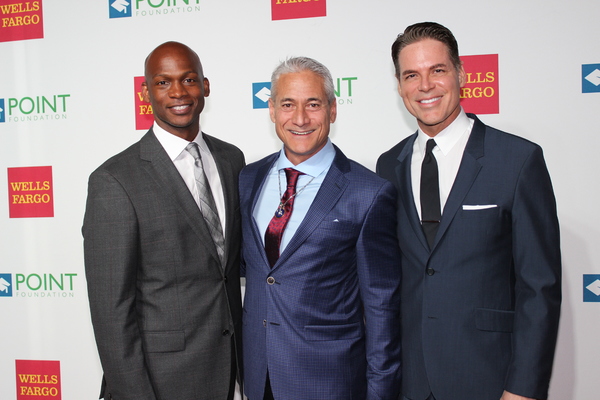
(176, 88)
(302, 114)
(430, 85)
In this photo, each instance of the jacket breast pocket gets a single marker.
(494, 320)
(336, 225)
(163, 341)
(332, 332)
(473, 212)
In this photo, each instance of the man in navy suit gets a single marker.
(481, 287)
(321, 311)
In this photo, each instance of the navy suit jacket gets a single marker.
(327, 325)
(480, 310)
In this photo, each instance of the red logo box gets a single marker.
(30, 192)
(144, 117)
(38, 380)
(293, 9)
(480, 95)
(21, 20)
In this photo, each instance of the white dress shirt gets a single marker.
(448, 152)
(184, 162)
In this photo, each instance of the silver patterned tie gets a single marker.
(207, 202)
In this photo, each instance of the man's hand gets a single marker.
(509, 396)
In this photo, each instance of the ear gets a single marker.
(462, 76)
(145, 94)
(333, 111)
(399, 88)
(206, 84)
(272, 110)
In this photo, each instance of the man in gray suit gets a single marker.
(162, 248)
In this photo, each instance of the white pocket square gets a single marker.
(467, 207)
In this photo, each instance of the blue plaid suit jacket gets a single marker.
(327, 326)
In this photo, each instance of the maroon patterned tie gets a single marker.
(281, 217)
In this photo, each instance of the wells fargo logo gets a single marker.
(144, 117)
(480, 94)
(292, 9)
(21, 20)
(145, 8)
(38, 380)
(36, 108)
(30, 192)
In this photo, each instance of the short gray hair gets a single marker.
(299, 64)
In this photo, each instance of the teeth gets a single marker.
(430, 100)
(179, 108)
(302, 133)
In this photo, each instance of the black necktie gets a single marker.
(430, 194)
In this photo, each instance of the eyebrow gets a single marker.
(186, 73)
(308, 100)
(410, 71)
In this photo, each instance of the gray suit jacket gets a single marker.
(163, 308)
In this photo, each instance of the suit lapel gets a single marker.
(467, 172)
(329, 193)
(165, 174)
(261, 175)
(403, 174)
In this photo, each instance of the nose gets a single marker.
(300, 117)
(426, 84)
(177, 90)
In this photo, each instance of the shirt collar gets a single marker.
(174, 145)
(448, 137)
(314, 166)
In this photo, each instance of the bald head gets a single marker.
(170, 49)
(176, 87)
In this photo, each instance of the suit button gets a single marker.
(225, 332)
(271, 280)
(430, 271)
(225, 279)
(264, 322)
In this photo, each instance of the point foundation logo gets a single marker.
(6, 288)
(30, 193)
(480, 95)
(36, 108)
(590, 78)
(342, 89)
(150, 8)
(21, 20)
(293, 9)
(38, 380)
(144, 117)
(261, 93)
(48, 285)
(591, 288)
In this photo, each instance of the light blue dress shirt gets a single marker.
(315, 169)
